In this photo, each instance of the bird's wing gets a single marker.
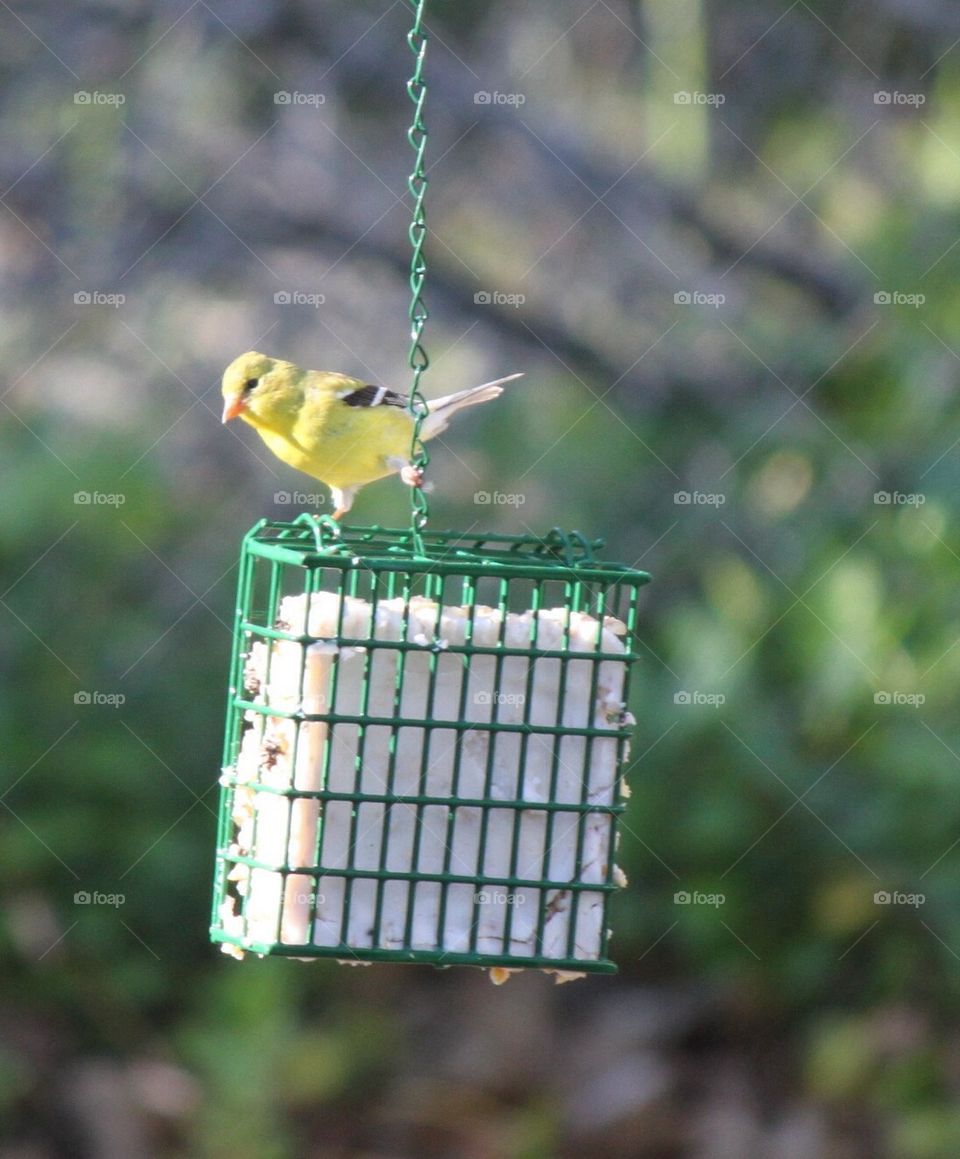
(372, 396)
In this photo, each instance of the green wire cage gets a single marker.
(426, 731)
(424, 748)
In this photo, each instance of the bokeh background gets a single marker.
(721, 239)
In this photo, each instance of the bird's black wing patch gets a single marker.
(373, 396)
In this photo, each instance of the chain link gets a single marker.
(417, 185)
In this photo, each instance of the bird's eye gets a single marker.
(250, 384)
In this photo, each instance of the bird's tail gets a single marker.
(441, 410)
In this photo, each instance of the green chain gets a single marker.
(417, 184)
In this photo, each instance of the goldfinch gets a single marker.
(337, 429)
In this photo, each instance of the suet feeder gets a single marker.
(426, 731)
(424, 748)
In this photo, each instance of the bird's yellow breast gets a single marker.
(342, 446)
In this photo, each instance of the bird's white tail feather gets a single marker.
(443, 409)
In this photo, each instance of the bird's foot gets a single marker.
(412, 474)
(342, 498)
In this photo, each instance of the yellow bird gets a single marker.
(337, 429)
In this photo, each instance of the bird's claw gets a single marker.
(412, 475)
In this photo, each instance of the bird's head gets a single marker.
(259, 390)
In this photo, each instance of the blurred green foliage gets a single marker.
(818, 613)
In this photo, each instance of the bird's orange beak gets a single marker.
(233, 407)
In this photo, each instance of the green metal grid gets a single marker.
(475, 573)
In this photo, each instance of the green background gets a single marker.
(746, 297)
